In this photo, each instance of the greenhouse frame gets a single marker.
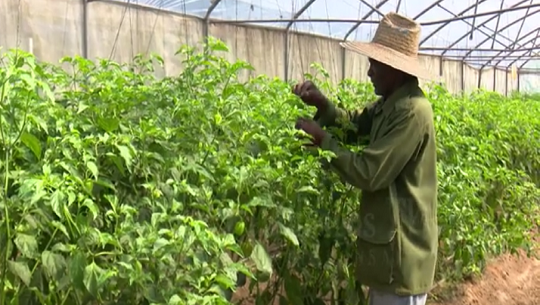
(490, 44)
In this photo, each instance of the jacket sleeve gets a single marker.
(353, 124)
(381, 161)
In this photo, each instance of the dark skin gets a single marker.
(385, 79)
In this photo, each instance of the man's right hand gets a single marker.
(310, 94)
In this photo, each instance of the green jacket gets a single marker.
(398, 236)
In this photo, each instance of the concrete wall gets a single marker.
(53, 29)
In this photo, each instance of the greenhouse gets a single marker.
(470, 44)
(192, 152)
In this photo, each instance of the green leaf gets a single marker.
(92, 274)
(54, 264)
(20, 270)
(27, 245)
(125, 154)
(58, 199)
(109, 124)
(32, 143)
(262, 260)
(175, 300)
(92, 167)
(308, 189)
(77, 264)
(293, 288)
(289, 234)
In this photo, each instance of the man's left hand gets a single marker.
(312, 128)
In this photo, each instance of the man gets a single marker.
(398, 236)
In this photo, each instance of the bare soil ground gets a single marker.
(508, 280)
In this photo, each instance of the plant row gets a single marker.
(121, 188)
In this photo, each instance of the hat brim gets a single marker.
(396, 60)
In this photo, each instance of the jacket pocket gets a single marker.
(376, 258)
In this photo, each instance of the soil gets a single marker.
(508, 280)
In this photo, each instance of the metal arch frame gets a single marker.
(206, 19)
(520, 39)
(428, 23)
(496, 12)
(366, 16)
(497, 26)
(286, 38)
(494, 34)
(299, 13)
(529, 54)
(363, 20)
(525, 57)
(379, 5)
(427, 9)
(502, 50)
(517, 39)
(446, 23)
(504, 28)
(476, 27)
(375, 9)
(210, 9)
(527, 15)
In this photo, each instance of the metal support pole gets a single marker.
(479, 79)
(506, 83)
(85, 29)
(462, 76)
(441, 61)
(287, 36)
(518, 82)
(495, 79)
(206, 23)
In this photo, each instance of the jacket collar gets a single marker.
(402, 92)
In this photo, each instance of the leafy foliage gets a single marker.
(120, 188)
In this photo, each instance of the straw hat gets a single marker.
(395, 43)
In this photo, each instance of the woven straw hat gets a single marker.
(395, 43)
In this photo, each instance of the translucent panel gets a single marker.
(472, 39)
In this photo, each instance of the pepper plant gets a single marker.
(122, 188)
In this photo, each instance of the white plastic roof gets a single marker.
(459, 29)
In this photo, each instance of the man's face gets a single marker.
(381, 76)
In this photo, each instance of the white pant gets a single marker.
(383, 298)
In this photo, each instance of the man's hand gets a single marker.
(310, 94)
(312, 128)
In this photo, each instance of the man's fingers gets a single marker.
(295, 89)
(306, 86)
(299, 123)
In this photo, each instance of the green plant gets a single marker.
(121, 188)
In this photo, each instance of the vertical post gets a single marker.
(518, 82)
(85, 29)
(206, 22)
(462, 76)
(495, 79)
(286, 42)
(31, 45)
(343, 60)
(506, 82)
(480, 78)
(441, 61)
(286, 56)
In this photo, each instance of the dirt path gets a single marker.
(508, 280)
